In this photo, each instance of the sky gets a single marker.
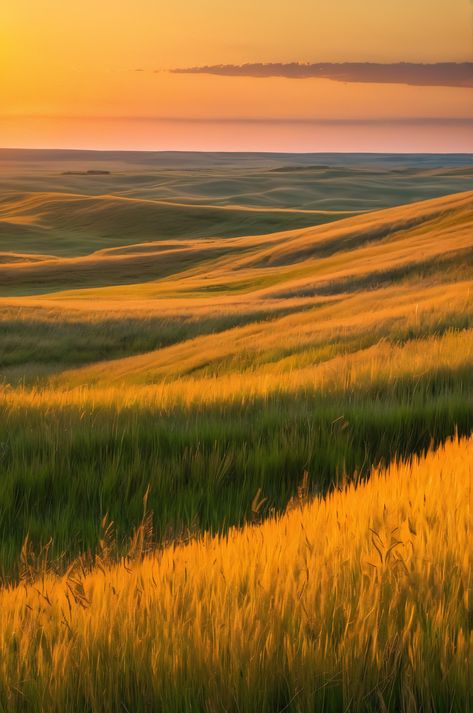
(103, 74)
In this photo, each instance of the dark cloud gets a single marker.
(444, 74)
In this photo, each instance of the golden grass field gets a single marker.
(278, 361)
(355, 601)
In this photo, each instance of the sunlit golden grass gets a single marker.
(305, 338)
(381, 366)
(358, 601)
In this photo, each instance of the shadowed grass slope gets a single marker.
(76, 224)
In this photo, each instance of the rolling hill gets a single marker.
(210, 368)
(365, 248)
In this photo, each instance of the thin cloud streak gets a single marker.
(441, 74)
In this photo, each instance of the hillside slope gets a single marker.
(393, 277)
(303, 261)
(357, 602)
(75, 224)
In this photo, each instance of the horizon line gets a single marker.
(248, 119)
(237, 151)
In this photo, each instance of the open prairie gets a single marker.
(219, 356)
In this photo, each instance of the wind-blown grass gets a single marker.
(206, 445)
(353, 602)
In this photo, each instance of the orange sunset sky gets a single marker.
(95, 74)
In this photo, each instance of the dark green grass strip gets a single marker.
(61, 472)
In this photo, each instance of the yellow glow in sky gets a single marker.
(79, 59)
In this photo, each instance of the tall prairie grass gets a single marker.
(205, 444)
(353, 602)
